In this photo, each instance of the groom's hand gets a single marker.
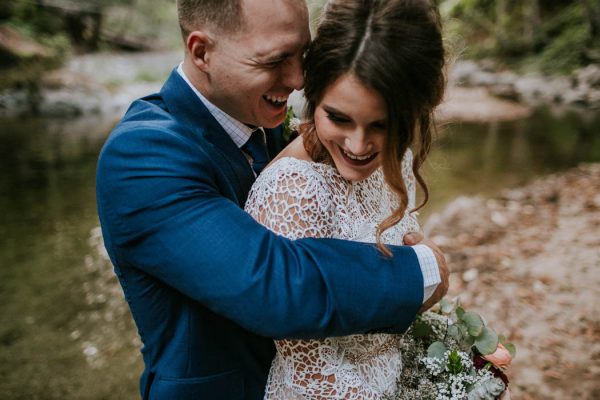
(442, 288)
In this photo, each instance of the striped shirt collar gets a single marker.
(239, 132)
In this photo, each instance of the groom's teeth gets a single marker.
(276, 99)
(361, 158)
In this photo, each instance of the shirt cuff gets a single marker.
(429, 268)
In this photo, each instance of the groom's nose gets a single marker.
(293, 75)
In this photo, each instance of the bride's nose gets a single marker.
(358, 143)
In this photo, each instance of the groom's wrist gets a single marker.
(429, 268)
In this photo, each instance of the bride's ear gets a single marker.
(199, 45)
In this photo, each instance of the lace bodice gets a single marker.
(297, 199)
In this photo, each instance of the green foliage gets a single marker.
(467, 329)
(59, 32)
(454, 363)
(549, 36)
(440, 349)
(148, 76)
(150, 21)
(287, 130)
(487, 341)
(473, 322)
(436, 350)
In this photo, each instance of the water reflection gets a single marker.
(48, 210)
(471, 158)
(62, 334)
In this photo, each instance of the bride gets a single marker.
(374, 75)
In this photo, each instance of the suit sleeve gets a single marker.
(163, 213)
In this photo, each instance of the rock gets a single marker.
(530, 88)
(461, 72)
(12, 43)
(505, 91)
(589, 75)
(470, 275)
(594, 99)
(13, 101)
(582, 88)
(575, 96)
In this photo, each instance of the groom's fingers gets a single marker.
(413, 238)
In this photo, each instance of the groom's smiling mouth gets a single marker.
(276, 101)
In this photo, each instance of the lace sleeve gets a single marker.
(290, 198)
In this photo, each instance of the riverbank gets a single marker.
(106, 83)
(93, 84)
(581, 88)
(528, 261)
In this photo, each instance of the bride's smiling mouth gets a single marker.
(356, 160)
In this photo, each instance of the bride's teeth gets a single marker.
(353, 157)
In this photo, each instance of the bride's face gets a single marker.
(351, 122)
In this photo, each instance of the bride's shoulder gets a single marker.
(294, 163)
(289, 180)
(292, 172)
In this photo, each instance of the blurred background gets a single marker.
(514, 178)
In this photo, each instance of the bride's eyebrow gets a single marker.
(333, 110)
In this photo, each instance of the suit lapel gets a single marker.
(189, 111)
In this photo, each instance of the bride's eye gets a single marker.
(336, 118)
(380, 126)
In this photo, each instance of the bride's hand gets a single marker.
(505, 395)
(413, 238)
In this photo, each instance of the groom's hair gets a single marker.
(224, 15)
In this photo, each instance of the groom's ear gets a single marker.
(198, 45)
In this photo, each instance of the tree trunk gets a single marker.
(592, 8)
(531, 21)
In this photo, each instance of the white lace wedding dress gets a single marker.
(297, 199)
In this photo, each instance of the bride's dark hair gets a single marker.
(395, 48)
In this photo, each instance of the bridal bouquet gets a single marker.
(451, 354)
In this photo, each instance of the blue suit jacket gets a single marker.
(209, 287)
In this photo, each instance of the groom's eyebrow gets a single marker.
(275, 55)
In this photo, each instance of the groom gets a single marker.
(208, 287)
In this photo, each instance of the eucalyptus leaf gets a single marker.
(468, 341)
(511, 349)
(421, 329)
(464, 331)
(474, 323)
(460, 312)
(445, 306)
(454, 332)
(436, 350)
(487, 342)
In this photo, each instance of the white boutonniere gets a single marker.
(290, 125)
